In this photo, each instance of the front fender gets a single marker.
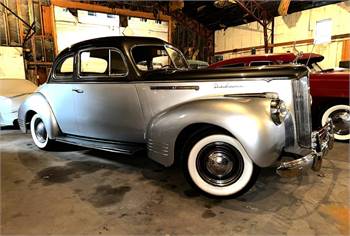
(246, 118)
(37, 103)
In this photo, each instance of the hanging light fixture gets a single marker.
(224, 3)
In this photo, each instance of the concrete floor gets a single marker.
(81, 191)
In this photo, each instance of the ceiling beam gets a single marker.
(104, 9)
(262, 16)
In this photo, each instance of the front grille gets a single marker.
(302, 109)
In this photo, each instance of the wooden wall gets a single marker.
(39, 49)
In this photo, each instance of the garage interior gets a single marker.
(76, 190)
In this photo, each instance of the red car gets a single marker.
(329, 88)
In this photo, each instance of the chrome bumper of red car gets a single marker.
(322, 141)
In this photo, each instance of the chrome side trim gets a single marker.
(270, 95)
(175, 88)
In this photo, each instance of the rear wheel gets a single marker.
(39, 133)
(218, 165)
(340, 115)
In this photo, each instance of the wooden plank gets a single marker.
(170, 31)
(54, 32)
(103, 9)
(47, 20)
(346, 50)
(21, 30)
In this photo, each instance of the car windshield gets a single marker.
(154, 57)
(315, 67)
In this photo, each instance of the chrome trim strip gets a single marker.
(270, 95)
(175, 88)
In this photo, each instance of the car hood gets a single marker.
(272, 71)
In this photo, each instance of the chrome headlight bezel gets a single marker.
(278, 110)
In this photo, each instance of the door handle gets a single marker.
(78, 90)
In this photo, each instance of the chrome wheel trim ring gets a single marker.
(333, 113)
(38, 131)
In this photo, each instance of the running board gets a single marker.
(118, 147)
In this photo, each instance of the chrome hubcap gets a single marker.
(219, 164)
(40, 131)
(341, 121)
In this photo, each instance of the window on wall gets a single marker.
(102, 63)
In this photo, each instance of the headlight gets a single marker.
(278, 111)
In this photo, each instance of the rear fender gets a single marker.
(37, 103)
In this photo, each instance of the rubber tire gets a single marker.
(326, 114)
(48, 144)
(196, 140)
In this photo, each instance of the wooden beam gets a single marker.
(104, 9)
(170, 30)
(54, 32)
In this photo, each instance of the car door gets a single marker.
(107, 104)
(59, 94)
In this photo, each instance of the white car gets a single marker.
(12, 93)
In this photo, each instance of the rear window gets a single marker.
(260, 63)
(65, 67)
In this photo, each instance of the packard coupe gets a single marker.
(124, 94)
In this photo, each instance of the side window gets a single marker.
(101, 63)
(65, 68)
(117, 64)
(94, 62)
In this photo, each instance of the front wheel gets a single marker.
(340, 115)
(39, 133)
(218, 165)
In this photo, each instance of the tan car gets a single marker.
(12, 93)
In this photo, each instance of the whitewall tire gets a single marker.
(340, 115)
(218, 165)
(39, 132)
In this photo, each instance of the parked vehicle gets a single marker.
(196, 64)
(222, 125)
(12, 93)
(329, 88)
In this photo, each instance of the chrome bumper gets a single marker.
(321, 141)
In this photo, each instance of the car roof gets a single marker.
(113, 41)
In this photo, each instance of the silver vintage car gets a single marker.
(124, 94)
